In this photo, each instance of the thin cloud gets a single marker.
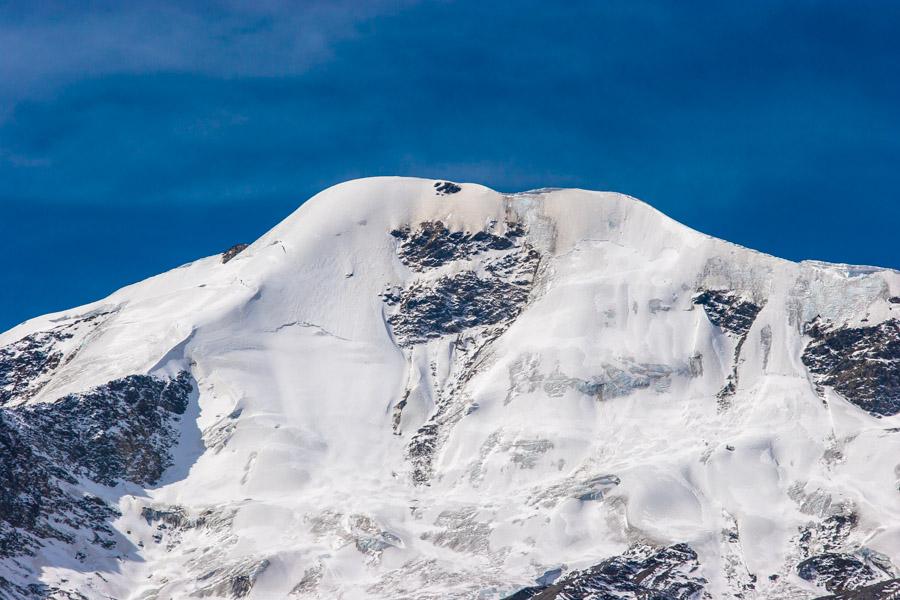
(47, 45)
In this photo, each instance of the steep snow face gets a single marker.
(420, 389)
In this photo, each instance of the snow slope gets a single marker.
(412, 389)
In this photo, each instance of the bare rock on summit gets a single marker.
(446, 187)
(233, 251)
(432, 244)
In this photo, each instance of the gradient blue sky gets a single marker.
(138, 136)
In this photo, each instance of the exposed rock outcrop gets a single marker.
(27, 364)
(433, 245)
(121, 431)
(233, 251)
(836, 571)
(669, 573)
(453, 304)
(475, 304)
(442, 188)
(735, 315)
(883, 590)
(860, 363)
(40, 499)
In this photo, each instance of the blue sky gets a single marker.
(138, 136)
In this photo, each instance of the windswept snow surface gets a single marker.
(413, 389)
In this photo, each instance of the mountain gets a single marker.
(421, 389)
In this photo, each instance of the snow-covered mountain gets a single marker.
(418, 389)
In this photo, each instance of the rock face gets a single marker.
(26, 360)
(233, 251)
(454, 304)
(836, 572)
(735, 315)
(425, 390)
(475, 304)
(37, 501)
(433, 245)
(27, 364)
(661, 574)
(860, 363)
(121, 431)
(446, 187)
(728, 310)
(884, 590)
(831, 552)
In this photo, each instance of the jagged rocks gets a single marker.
(728, 310)
(36, 591)
(735, 315)
(475, 304)
(25, 365)
(828, 535)
(421, 451)
(670, 573)
(233, 251)
(170, 517)
(38, 498)
(883, 590)
(433, 245)
(442, 188)
(27, 359)
(120, 430)
(836, 572)
(429, 308)
(526, 453)
(10, 590)
(832, 560)
(860, 363)
(453, 304)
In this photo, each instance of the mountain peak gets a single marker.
(416, 388)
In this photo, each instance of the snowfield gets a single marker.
(417, 389)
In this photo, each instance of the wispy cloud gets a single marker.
(49, 44)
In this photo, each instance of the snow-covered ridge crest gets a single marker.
(413, 388)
